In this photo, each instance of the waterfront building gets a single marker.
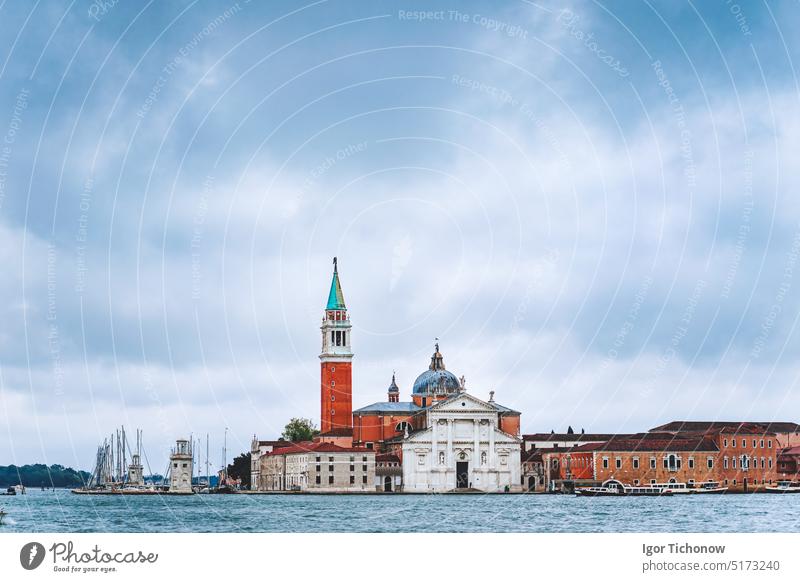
(181, 467)
(748, 458)
(462, 447)
(257, 450)
(388, 473)
(318, 466)
(532, 478)
(384, 425)
(789, 464)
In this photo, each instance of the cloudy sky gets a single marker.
(594, 209)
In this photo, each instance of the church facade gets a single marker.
(462, 448)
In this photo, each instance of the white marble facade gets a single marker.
(462, 448)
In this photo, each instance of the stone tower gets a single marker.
(181, 467)
(336, 376)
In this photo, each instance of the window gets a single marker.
(691, 462)
(318, 458)
(652, 481)
(635, 481)
(761, 443)
(744, 443)
(364, 459)
(754, 443)
(710, 462)
(605, 462)
(769, 443)
(330, 468)
(352, 459)
(364, 468)
(319, 479)
(174, 465)
(618, 462)
(652, 462)
(333, 382)
(441, 457)
(330, 480)
(330, 459)
(352, 479)
(763, 462)
(672, 462)
(636, 465)
(733, 462)
(734, 481)
(726, 481)
(364, 479)
(733, 443)
(745, 463)
(725, 442)
(352, 468)
(317, 468)
(769, 462)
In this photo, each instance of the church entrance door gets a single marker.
(387, 483)
(462, 475)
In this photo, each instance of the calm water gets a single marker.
(61, 511)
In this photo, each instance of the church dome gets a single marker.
(436, 379)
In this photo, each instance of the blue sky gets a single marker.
(592, 206)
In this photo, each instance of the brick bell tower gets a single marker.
(336, 374)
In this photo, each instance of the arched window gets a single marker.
(483, 458)
(402, 426)
(441, 458)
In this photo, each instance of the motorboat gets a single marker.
(709, 487)
(783, 487)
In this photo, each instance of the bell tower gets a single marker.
(336, 375)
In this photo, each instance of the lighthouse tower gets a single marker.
(336, 375)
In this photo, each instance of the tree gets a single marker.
(299, 429)
(240, 469)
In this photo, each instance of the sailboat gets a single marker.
(112, 474)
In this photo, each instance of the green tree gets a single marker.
(240, 469)
(299, 429)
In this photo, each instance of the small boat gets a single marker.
(597, 492)
(10, 491)
(709, 487)
(783, 487)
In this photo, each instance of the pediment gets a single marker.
(463, 403)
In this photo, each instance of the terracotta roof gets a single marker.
(278, 443)
(659, 443)
(317, 447)
(338, 432)
(563, 436)
(706, 426)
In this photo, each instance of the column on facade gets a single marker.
(477, 437)
(490, 454)
(435, 445)
(449, 442)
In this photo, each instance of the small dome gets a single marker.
(393, 386)
(436, 379)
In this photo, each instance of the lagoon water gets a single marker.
(61, 511)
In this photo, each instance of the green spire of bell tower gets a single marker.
(335, 297)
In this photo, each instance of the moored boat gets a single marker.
(709, 487)
(783, 487)
(614, 488)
